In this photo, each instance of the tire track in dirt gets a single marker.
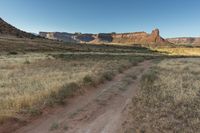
(100, 110)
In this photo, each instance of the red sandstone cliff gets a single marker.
(143, 38)
(139, 38)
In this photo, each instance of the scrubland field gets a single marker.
(147, 91)
(32, 81)
(169, 99)
(132, 82)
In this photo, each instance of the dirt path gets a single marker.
(101, 110)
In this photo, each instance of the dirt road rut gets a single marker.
(101, 110)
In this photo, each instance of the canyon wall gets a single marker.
(108, 38)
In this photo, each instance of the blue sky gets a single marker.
(174, 18)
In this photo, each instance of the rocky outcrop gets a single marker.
(66, 37)
(139, 38)
(114, 38)
(185, 40)
(7, 29)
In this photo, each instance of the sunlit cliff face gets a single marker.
(128, 38)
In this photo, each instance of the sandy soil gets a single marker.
(100, 110)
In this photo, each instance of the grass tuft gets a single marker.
(54, 126)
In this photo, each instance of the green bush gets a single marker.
(67, 90)
(13, 53)
(107, 76)
(27, 62)
(87, 80)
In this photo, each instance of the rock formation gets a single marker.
(139, 38)
(185, 41)
(113, 38)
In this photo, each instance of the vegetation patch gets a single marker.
(30, 82)
(88, 80)
(54, 126)
(169, 99)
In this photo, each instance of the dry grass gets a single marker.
(187, 51)
(169, 99)
(29, 82)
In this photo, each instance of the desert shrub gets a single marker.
(68, 89)
(34, 111)
(65, 91)
(87, 80)
(148, 78)
(13, 53)
(133, 76)
(27, 62)
(54, 126)
(108, 76)
(122, 68)
(134, 63)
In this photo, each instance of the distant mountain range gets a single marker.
(141, 38)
